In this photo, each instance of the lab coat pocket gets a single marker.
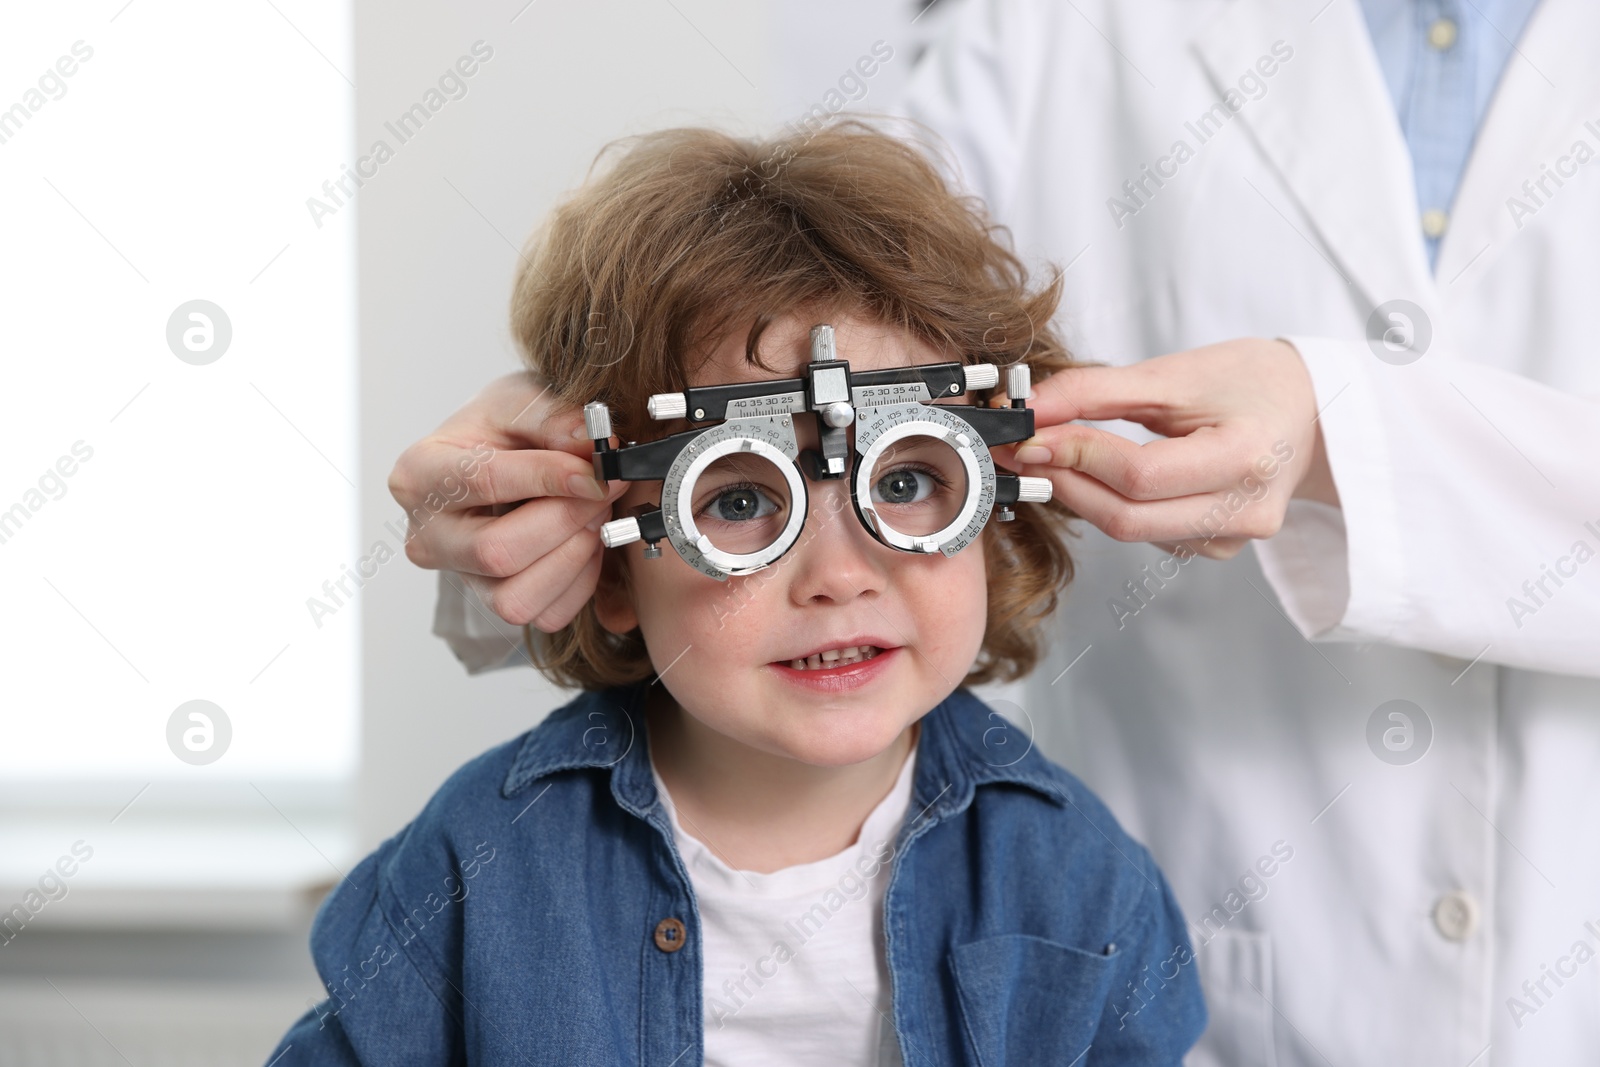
(1236, 978)
(1026, 1000)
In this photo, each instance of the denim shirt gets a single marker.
(537, 911)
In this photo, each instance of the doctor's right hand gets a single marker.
(524, 535)
(1239, 438)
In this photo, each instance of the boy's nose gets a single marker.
(835, 558)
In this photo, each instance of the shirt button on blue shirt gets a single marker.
(1441, 60)
(670, 934)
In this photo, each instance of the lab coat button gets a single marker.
(1442, 33)
(1456, 915)
(1435, 222)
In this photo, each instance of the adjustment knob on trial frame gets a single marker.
(981, 376)
(1034, 490)
(619, 532)
(663, 407)
(838, 415)
(1019, 380)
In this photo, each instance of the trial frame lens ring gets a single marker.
(952, 437)
(750, 562)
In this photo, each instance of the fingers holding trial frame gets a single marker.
(1239, 440)
(504, 494)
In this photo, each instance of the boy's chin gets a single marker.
(842, 747)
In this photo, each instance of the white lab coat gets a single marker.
(1220, 735)
(1210, 725)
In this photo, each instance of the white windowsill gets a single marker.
(220, 857)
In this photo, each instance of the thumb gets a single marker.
(526, 413)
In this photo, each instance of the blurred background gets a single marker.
(220, 686)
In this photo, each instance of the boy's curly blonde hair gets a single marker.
(691, 234)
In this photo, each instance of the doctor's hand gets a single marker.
(461, 485)
(1239, 440)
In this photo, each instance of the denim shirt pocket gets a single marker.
(1026, 1000)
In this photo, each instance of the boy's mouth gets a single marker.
(840, 676)
(840, 652)
(835, 657)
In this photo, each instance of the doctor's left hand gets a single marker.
(1240, 438)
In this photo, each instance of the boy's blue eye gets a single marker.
(741, 503)
(905, 485)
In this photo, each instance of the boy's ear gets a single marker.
(613, 598)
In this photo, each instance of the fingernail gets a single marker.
(596, 522)
(1033, 454)
(580, 432)
(585, 486)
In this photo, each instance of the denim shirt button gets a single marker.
(670, 934)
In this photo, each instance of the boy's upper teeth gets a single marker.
(835, 656)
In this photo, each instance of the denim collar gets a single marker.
(963, 744)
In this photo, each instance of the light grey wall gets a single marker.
(439, 228)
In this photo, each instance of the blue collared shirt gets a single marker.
(537, 911)
(1442, 60)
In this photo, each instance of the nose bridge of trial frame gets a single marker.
(832, 392)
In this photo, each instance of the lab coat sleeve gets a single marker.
(1469, 518)
(481, 640)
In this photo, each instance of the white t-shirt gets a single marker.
(795, 971)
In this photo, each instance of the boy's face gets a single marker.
(724, 649)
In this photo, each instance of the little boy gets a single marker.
(776, 828)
